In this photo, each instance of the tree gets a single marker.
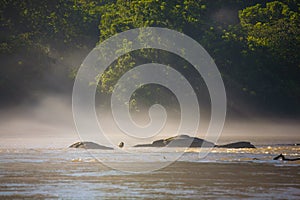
(33, 35)
(275, 27)
(267, 63)
(184, 16)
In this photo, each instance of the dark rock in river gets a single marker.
(237, 145)
(89, 145)
(179, 141)
(187, 141)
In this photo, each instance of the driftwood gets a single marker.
(282, 157)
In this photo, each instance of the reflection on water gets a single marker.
(224, 173)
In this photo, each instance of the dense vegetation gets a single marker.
(255, 44)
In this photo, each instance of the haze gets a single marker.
(49, 123)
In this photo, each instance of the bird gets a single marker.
(121, 145)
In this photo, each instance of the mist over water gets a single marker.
(49, 123)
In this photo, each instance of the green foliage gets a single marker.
(266, 44)
(124, 15)
(61, 23)
(32, 34)
(275, 27)
(255, 43)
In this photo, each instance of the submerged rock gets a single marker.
(237, 145)
(179, 141)
(89, 145)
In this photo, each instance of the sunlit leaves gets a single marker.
(275, 26)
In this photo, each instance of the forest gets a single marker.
(255, 45)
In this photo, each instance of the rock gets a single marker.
(144, 145)
(187, 141)
(159, 143)
(236, 145)
(179, 141)
(89, 145)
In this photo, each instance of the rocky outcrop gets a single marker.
(179, 141)
(187, 141)
(89, 145)
(237, 145)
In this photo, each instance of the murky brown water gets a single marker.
(61, 174)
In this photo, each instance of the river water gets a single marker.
(222, 174)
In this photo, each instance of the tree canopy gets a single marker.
(255, 44)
